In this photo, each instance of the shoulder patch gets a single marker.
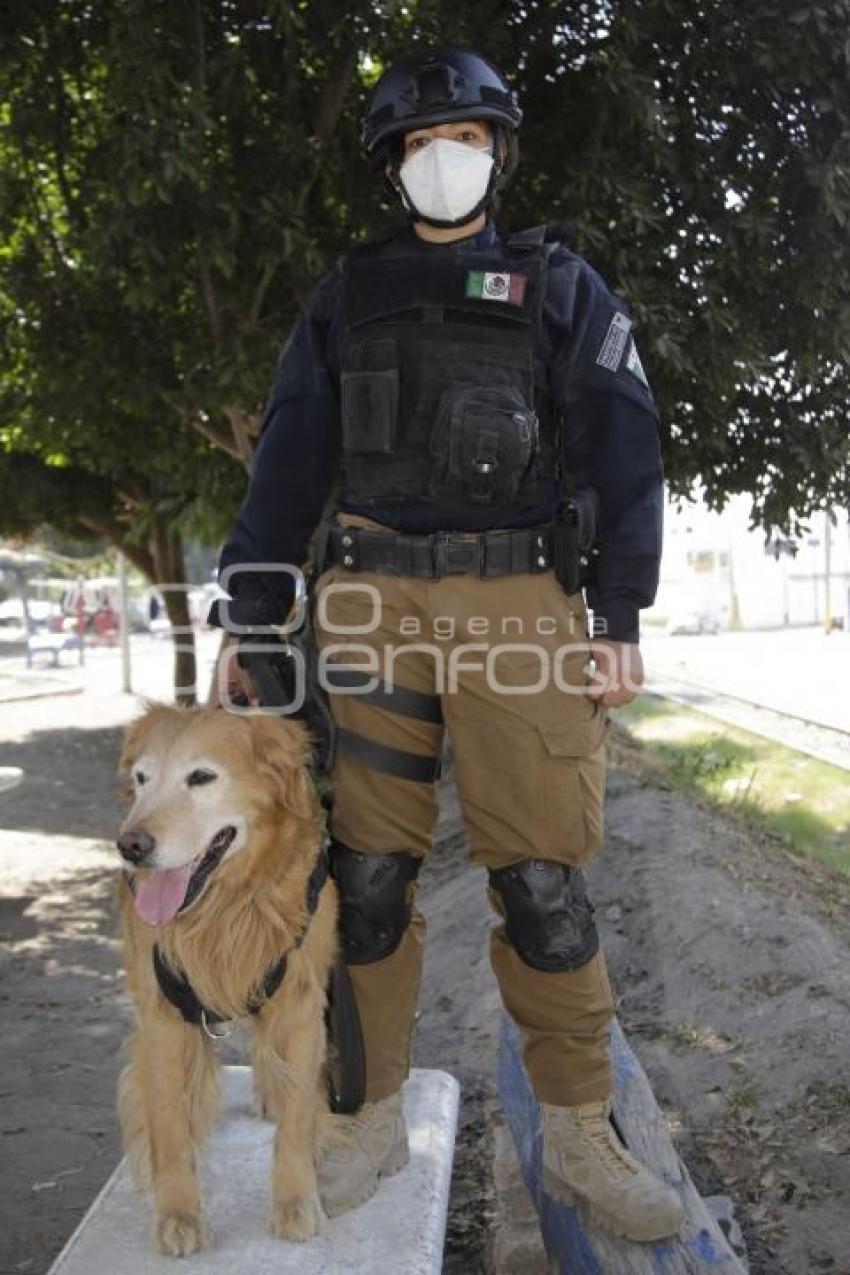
(614, 343)
(634, 365)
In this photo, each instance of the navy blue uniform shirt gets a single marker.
(611, 442)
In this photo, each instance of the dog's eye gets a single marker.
(140, 777)
(200, 776)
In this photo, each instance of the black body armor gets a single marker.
(443, 397)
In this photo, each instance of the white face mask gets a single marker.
(445, 179)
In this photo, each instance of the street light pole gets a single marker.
(827, 571)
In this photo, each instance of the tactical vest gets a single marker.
(443, 396)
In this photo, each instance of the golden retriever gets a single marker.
(220, 849)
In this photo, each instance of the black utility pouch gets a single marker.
(483, 444)
(566, 558)
(370, 398)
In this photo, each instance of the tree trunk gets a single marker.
(25, 603)
(170, 574)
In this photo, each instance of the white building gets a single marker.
(717, 572)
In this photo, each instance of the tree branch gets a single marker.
(74, 212)
(260, 295)
(339, 78)
(219, 437)
(246, 427)
(227, 441)
(207, 286)
(208, 293)
(113, 531)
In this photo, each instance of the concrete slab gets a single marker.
(400, 1231)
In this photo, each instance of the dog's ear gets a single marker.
(281, 752)
(136, 732)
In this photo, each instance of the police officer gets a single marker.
(449, 413)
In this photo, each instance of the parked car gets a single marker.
(693, 619)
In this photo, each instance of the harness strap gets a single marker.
(397, 699)
(274, 977)
(346, 1066)
(390, 761)
(177, 989)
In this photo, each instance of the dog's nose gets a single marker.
(136, 844)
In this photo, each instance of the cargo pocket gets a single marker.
(369, 399)
(574, 787)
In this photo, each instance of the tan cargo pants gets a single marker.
(507, 656)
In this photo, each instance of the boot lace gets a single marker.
(597, 1128)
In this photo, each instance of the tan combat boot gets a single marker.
(585, 1162)
(356, 1151)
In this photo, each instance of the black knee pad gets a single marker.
(374, 910)
(548, 916)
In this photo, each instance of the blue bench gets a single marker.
(53, 644)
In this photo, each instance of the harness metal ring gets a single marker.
(217, 1035)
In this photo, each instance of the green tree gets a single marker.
(132, 511)
(164, 169)
(700, 154)
(175, 177)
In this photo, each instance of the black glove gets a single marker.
(273, 671)
(254, 603)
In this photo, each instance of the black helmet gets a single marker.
(435, 86)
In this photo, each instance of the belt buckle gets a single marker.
(451, 557)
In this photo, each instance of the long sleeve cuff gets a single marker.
(617, 618)
(254, 604)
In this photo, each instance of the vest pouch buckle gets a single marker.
(369, 396)
(483, 444)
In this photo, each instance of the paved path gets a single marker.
(817, 741)
(790, 686)
(100, 677)
(802, 672)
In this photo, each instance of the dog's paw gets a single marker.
(179, 1234)
(296, 1219)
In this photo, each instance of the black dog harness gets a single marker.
(347, 1080)
(177, 989)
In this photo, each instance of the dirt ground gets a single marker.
(730, 961)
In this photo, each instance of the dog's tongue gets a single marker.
(159, 896)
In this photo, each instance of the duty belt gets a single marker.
(443, 553)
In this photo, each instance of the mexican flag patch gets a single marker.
(486, 286)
